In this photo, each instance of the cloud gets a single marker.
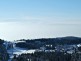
(43, 20)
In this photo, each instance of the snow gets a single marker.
(19, 51)
(70, 52)
(79, 45)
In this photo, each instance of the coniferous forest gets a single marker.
(46, 49)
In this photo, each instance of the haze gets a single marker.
(30, 19)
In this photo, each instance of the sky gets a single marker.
(30, 19)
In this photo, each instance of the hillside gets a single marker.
(37, 43)
(3, 52)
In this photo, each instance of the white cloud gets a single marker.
(42, 20)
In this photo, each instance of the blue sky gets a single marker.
(39, 18)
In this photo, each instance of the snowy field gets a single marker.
(19, 51)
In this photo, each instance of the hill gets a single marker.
(37, 43)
